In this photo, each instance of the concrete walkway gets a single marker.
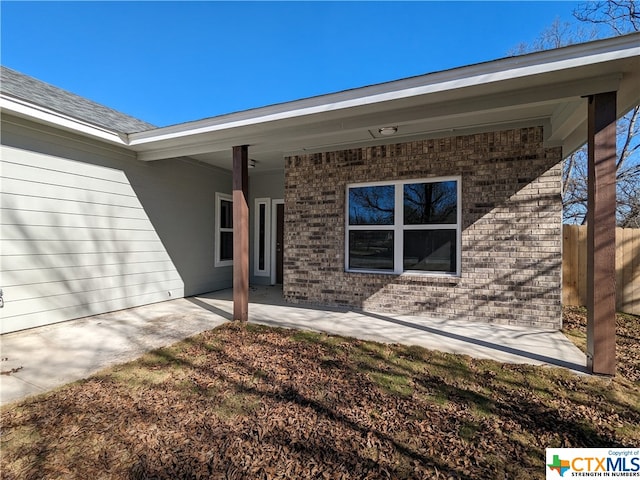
(41, 359)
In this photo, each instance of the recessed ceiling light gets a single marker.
(387, 131)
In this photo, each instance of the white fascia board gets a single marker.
(512, 68)
(40, 114)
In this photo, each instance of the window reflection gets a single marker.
(371, 205)
(226, 214)
(371, 249)
(430, 203)
(430, 250)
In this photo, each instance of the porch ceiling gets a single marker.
(544, 88)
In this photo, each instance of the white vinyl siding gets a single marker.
(76, 241)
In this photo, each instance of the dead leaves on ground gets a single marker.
(250, 402)
(574, 321)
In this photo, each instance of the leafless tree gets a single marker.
(599, 19)
(621, 16)
(558, 34)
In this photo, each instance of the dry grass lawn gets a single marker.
(253, 402)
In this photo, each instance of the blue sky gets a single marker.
(171, 62)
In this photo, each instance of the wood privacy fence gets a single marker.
(574, 267)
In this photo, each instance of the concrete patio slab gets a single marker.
(38, 360)
(509, 344)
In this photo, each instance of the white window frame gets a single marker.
(218, 229)
(398, 227)
(266, 271)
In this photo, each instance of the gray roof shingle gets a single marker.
(40, 93)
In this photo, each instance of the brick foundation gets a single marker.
(511, 229)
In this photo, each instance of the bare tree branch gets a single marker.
(621, 16)
(627, 148)
(598, 19)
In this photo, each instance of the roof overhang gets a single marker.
(544, 88)
(23, 109)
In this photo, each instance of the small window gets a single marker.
(409, 226)
(262, 239)
(224, 230)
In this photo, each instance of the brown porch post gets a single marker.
(601, 234)
(240, 233)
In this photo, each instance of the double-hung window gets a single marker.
(224, 230)
(404, 226)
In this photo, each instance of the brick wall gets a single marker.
(511, 229)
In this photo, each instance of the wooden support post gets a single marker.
(601, 234)
(241, 233)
